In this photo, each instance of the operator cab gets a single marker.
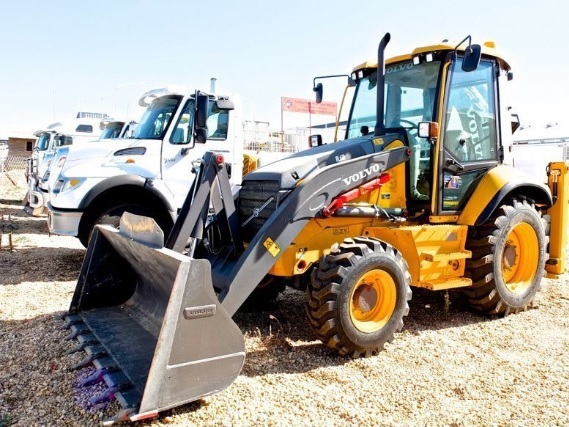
(451, 91)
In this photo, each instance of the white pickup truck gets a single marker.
(151, 173)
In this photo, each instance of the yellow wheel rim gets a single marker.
(373, 301)
(520, 258)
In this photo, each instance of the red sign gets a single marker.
(297, 105)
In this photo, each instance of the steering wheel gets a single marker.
(408, 122)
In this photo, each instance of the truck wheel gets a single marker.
(508, 262)
(358, 296)
(110, 213)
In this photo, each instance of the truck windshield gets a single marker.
(157, 118)
(42, 143)
(410, 92)
(112, 130)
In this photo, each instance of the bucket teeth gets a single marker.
(76, 330)
(70, 320)
(117, 379)
(117, 383)
(105, 364)
(95, 378)
(93, 352)
(106, 396)
(84, 340)
(122, 415)
(130, 398)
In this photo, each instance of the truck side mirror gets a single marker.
(319, 89)
(471, 58)
(225, 104)
(200, 135)
(200, 128)
(315, 141)
(202, 105)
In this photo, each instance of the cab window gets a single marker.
(470, 129)
(217, 122)
(470, 135)
(183, 130)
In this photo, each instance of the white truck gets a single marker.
(111, 131)
(47, 141)
(535, 147)
(152, 173)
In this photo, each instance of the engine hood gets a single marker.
(290, 170)
(99, 149)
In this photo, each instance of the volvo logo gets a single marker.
(359, 176)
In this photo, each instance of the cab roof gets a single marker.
(488, 49)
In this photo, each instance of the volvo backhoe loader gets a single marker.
(424, 200)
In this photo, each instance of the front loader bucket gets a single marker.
(150, 322)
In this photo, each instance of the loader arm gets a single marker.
(237, 279)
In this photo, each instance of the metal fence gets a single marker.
(13, 171)
(290, 141)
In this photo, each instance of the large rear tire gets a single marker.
(358, 296)
(110, 213)
(508, 262)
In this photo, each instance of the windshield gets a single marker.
(157, 117)
(112, 130)
(410, 92)
(42, 143)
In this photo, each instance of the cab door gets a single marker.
(180, 152)
(470, 135)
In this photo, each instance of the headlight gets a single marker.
(63, 185)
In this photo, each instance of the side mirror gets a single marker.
(319, 89)
(314, 141)
(202, 105)
(200, 135)
(471, 58)
(200, 127)
(515, 122)
(225, 104)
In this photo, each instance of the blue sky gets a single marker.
(61, 56)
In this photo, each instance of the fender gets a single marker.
(127, 180)
(498, 183)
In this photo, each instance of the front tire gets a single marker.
(110, 213)
(358, 296)
(508, 263)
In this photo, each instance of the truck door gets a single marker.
(179, 150)
(470, 133)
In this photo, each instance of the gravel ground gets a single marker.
(454, 368)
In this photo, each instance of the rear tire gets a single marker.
(110, 213)
(508, 263)
(358, 296)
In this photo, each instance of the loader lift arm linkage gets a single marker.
(237, 271)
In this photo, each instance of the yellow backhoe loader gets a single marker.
(425, 199)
